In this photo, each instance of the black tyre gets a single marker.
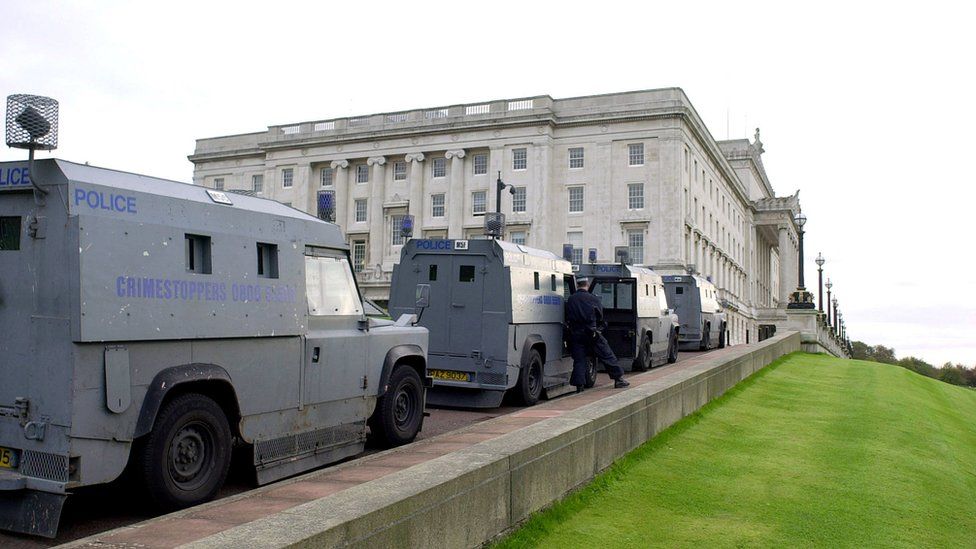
(673, 348)
(590, 372)
(186, 456)
(643, 361)
(400, 411)
(721, 338)
(529, 386)
(706, 340)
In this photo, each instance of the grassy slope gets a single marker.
(812, 451)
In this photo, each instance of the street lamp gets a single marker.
(829, 285)
(836, 324)
(820, 261)
(801, 298)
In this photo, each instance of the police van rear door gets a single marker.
(467, 299)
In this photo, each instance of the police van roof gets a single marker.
(165, 187)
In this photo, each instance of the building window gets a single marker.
(287, 177)
(327, 177)
(257, 184)
(478, 202)
(575, 158)
(396, 235)
(358, 255)
(437, 205)
(517, 237)
(361, 210)
(576, 240)
(635, 196)
(219, 183)
(439, 167)
(635, 154)
(518, 200)
(362, 173)
(480, 164)
(399, 171)
(635, 243)
(519, 159)
(575, 199)
(267, 260)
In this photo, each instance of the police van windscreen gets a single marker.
(615, 295)
(330, 287)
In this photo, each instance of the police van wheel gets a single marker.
(529, 386)
(643, 361)
(400, 411)
(186, 456)
(590, 372)
(721, 338)
(673, 348)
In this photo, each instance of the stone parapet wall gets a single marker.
(469, 496)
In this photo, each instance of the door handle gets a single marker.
(315, 355)
(457, 304)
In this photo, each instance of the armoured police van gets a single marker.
(495, 317)
(154, 323)
(695, 299)
(640, 328)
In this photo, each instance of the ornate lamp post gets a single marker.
(829, 285)
(801, 298)
(820, 261)
(836, 324)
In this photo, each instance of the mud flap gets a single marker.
(31, 512)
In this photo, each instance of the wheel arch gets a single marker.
(210, 380)
(533, 341)
(406, 354)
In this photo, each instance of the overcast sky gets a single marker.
(868, 111)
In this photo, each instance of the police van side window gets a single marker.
(679, 290)
(198, 254)
(537, 280)
(552, 282)
(330, 288)
(10, 233)
(432, 273)
(267, 260)
(466, 273)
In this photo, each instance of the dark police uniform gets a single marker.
(584, 313)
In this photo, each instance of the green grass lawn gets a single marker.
(812, 451)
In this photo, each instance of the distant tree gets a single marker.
(952, 373)
(918, 366)
(884, 354)
(861, 350)
(970, 377)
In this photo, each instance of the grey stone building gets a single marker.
(636, 169)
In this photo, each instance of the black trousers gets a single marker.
(582, 344)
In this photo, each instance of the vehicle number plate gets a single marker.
(449, 375)
(8, 458)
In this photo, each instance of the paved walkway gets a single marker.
(205, 520)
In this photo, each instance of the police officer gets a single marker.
(584, 314)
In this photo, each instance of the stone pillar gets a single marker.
(455, 195)
(340, 180)
(377, 193)
(416, 190)
(784, 267)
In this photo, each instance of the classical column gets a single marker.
(455, 195)
(784, 266)
(416, 188)
(340, 181)
(377, 193)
